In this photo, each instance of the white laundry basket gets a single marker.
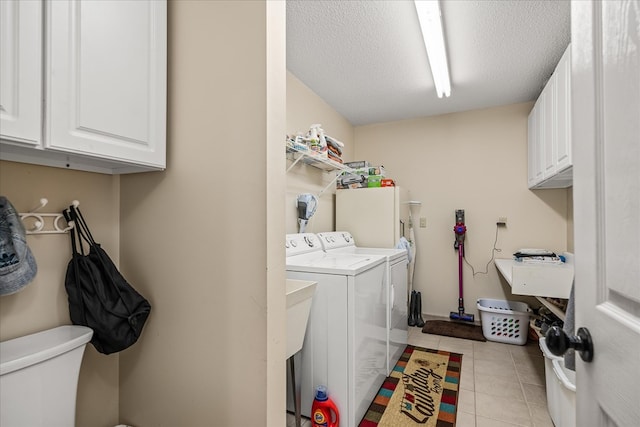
(504, 321)
(561, 388)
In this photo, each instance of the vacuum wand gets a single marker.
(460, 230)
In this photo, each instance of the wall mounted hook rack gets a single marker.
(45, 223)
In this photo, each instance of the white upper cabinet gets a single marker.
(21, 71)
(534, 147)
(548, 135)
(107, 79)
(104, 102)
(550, 139)
(563, 157)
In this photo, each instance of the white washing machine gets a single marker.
(397, 268)
(345, 342)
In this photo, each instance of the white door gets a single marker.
(21, 71)
(106, 75)
(606, 147)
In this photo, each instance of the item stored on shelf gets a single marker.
(361, 177)
(349, 180)
(318, 143)
(334, 149)
(377, 170)
(374, 181)
(387, 183)
(316, 140)
(357, 164)
(297, 142)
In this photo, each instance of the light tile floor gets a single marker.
(501, 385)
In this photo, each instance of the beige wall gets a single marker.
(43, 303)
(475, 161)
(570, 231)
(305, 108)
(204, 238)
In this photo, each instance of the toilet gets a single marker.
(39, 377)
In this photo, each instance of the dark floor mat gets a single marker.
(454, 329)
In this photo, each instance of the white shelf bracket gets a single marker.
(295, 162)
(333, 181)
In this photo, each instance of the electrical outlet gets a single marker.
(502, 221)
(423, 222)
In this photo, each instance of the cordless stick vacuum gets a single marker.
(306, 205)
(460, 229)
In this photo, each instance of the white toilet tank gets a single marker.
(39, 377)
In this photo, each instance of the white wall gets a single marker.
(476, 161)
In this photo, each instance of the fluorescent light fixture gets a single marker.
(431, 24)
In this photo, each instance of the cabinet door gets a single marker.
(20, 71)
(536, 146)
(106, 75)
(563, 116)
(548, 135)
(532, 147)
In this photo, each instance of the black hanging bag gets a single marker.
(99, 297)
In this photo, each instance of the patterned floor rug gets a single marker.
(422, 390)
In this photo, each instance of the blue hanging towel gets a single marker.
(404, 244)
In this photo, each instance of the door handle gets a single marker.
(559, 342)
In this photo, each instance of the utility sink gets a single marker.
(299, 294)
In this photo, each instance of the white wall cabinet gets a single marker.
(563, 157)
(104, 102)
(549, 133)
(534, 159)
(21, 71)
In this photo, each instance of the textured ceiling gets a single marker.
(367, 60)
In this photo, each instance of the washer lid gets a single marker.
(334, 263)
(391, 254)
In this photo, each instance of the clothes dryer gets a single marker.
(345, 342)
(396, 281)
